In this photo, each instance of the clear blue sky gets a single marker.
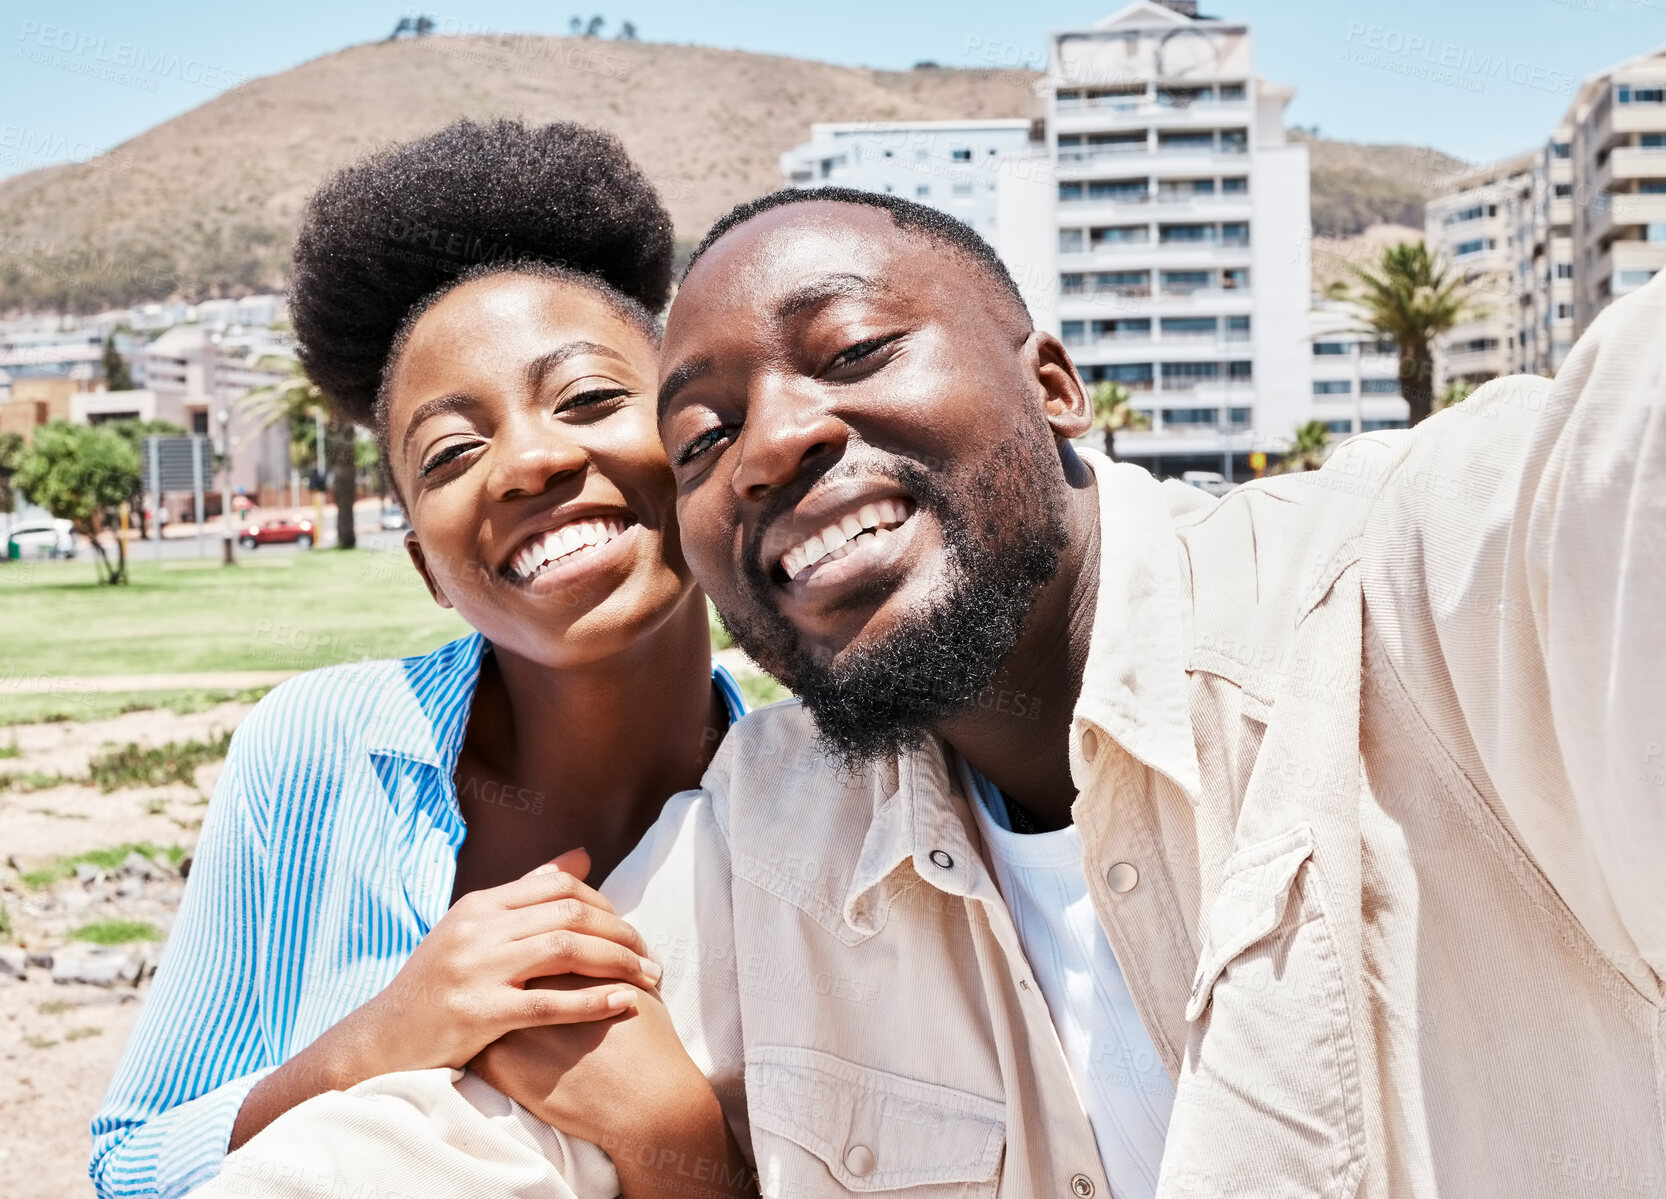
(1361, 67)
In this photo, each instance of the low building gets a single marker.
(1356, 374)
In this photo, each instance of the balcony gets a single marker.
(1634, 162)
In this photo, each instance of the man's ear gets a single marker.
(413, 547)
(1069, 408)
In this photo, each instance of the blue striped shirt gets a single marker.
(328, 852)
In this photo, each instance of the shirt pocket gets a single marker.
(872, 1131)
(1269, 1101)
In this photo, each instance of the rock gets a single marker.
(136, 865)
(130, 888)
(97, 965)
(75, 901)
(14, 962)
(40, 958)
(87, 874)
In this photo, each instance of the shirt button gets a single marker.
(1122, 878)
(1090, 748)
(1082, 1185)
(859, 1160)
(943, 861)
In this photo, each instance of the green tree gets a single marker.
(1412, 299)
(1307, 451)
(12, 448)
(116, 375)
(83, 474)
(1114, 411)
(296, 400)
(1455, 392)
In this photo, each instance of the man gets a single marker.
(1350, 786)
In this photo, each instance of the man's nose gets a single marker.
(787, 429)
(533, 460)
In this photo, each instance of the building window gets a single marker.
(1471, 247)
(1169, 234)
(1632, 278)
(1123, 329)
(1073, 333)
(199, 422)
(963, 191)
(1560, 150)
(1651, 141)
(1562, 191)
(1476, 345)
(1235, 278)
(1641, 95)
(1473, 213)
(1239, 372)
(1564, 270)
(1234, 141)
(1232, 91)
(1339, 426)
(1323, 349)
(1236, 185)
(1235, 234)
(1069, 192)
(1184, 189)
(923, 191)
(1121, 191)
(1182, 376)
(921, 155)
(1196, 143)
(1180, 283)
(1070, 241)
(1656, 231)
(1136, 376)
(1333, 387)
(1189, 326)
(1379, 387)
(1371, 426)
(961, 155)
(1237, 328)
(1121, 235)
(1122, 283)
(1191, 416)
(1238, 417)
(1071, 284)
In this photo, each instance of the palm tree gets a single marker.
(1113, 411)
(1307, 451)
(1411, 299)
(293, 399)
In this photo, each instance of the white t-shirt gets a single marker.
(1122, 1084)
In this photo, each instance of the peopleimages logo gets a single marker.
(1451, 63)
(94, 55)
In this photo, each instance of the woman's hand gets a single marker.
(465, 986)
(629, 1086)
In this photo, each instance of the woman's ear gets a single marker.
(413, 547)
(1069, 408)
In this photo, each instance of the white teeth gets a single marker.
(570, 538)
(838, 540)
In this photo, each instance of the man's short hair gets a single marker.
(955, 234)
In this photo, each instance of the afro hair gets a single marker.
(383, 237)
(949, 232)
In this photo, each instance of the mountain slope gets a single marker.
(205, 204)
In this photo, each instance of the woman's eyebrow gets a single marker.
(545, 363)
(455, 402)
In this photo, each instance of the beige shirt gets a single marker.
(1372, 790)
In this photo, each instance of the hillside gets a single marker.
(205, 204)
(1356, 186)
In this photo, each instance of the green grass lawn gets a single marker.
(290, 613)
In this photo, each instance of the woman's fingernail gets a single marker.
(651, 968)
(547, 868)
(618, 1001)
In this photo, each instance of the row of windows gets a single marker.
(1345, 387)
(1231, 328)
(1138, 283)
(1323, 349)
(1136, 191)
(1168, 97)
(1475, 246)
(1368, 426)
(1074, 146)
(1175, 375)
(1228, 233)
(1627, 94)
(1473, 213)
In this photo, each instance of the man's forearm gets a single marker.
(694, 1156)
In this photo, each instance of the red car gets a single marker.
(284, 528)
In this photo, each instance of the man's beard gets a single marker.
(1003, 532)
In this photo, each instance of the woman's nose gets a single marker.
(532, 461)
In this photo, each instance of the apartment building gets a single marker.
(1182, 218)
(1356, 374)
(1592, 226)
(1482, 227)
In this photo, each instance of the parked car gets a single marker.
(41, 539)
(393, 520)
(1207, 480)
(273, 532)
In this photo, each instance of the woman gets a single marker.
(380, 873)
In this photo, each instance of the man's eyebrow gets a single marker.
(680, 378)
(455, 402)
(545, 363)
(822, 289)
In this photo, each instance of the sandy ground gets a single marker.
(59, 1043)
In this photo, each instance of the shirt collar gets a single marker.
(426, 718)
(1134, 688)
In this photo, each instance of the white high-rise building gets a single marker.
(1183, 226)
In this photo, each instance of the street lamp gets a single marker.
(225, 485)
